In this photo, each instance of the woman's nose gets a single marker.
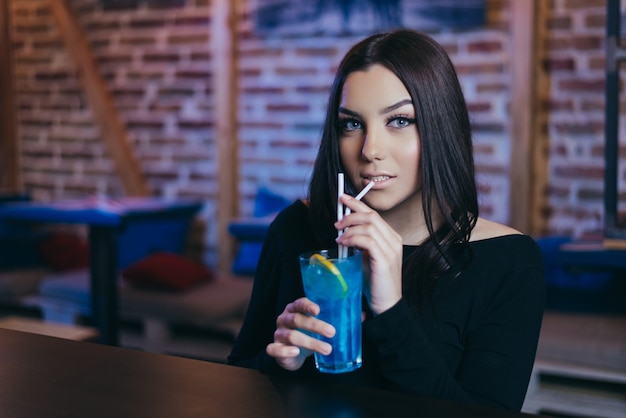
(373, 147)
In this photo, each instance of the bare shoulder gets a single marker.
(485, 229)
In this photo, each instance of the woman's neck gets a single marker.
(407, 219)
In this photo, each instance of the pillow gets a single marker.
(64, 251)
(166, 271)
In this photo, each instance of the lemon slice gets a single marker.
(318, 259)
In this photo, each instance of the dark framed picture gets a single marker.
(298, 17)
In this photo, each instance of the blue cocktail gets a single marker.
(336, 286)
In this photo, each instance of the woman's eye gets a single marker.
(349, 125)
(400, 122)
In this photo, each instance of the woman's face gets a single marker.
(378, 139)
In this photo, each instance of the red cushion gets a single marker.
(64, 251)
(166, 271)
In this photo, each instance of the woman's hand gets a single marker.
(382, 250)
(291, 344)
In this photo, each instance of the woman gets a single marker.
(455, 302)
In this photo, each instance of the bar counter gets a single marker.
(45, 376)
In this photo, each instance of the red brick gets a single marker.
(479, 68)
(556, 44)
(275, 161)
(192, 21)
(584, 172)
(137, 40)
(145, 22)
(250, 72)
(148, 123)
(581, 85)
(146, 74)
(484, 46)
(483, 188)
(559, 64)
(491, 87)
(579, 128)
(313, 89)
(161, 57)
(97, 25)
(491, 127)
(595, 21)
(586, 194)
(589, 105)
(485, 210)
(557, 105)
(584, 4)
(263, 90)
(79, 189)
(284, 180)
(483, 149)
(200, 56)
(194, 74)
(294, 71)
(597, 63)
(587, 43)
(52, 75)
(188, 38)
(52, 43)
(179, 91)
(260, 53)
(559, 23)
(316, 52)
(195, 124)
(166, 106)
(474, 107)
(161, 173)
(287, 107)
(114, 58)
(290, 144)
(490, 169)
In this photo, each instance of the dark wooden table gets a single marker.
(106, 218)
(51, 377)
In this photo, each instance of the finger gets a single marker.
(295, 320)
(282, 350)
(303, 305)
(295, 338)
(289, 358)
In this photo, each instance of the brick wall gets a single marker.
(572, 60)
(157, 63)
(284, 86)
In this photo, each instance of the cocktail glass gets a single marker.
(336, 285)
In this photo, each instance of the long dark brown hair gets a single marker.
(446, 159)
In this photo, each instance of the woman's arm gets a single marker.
(277, 284)
(498, 351)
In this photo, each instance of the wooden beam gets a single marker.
(224, 40)
(526, 192)
(100, 100)
(9, 145)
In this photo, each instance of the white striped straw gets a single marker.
(340, 190)
(343, 251)
(361, 194)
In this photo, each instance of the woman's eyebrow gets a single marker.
(382, 111)
(395, 106)
(349, 112)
